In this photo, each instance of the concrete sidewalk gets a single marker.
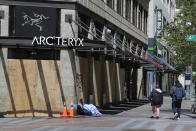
(165, 110)
(133, 120)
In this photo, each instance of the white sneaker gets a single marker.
(178, 118)
(175, 116)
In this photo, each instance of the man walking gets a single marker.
(177, 93)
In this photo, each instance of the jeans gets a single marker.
(176, 107)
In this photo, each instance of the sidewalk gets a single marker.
(132, 120)
(165, 110)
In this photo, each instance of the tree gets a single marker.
(184, 24)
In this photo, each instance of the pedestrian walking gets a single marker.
(156, 99)
(177, 93)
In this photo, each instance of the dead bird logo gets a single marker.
(36, 21)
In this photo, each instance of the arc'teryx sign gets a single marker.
(30, 21)
(58, 41)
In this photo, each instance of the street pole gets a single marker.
(188, 84)
(190, 66)
(189, 38)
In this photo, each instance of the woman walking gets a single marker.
(156, 99)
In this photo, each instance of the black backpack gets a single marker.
(156, 98)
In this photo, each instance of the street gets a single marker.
(137, 119)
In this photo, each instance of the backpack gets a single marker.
(178, 94)
(156, 98)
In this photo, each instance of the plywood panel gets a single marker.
(17, 86)
(98, 81)
(113, 80)
(52, 84)
(83, 63)
(27, 88)
(122, 82)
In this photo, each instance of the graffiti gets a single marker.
(36, 21)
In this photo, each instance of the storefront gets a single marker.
(41, 66)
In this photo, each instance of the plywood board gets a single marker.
(26, 87)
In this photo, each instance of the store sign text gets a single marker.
(58, 41)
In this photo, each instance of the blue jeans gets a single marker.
(176, 107)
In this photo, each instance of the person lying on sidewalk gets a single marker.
(88, 109)
(156, 99)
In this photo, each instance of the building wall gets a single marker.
(4, 22)
(3, 59)
(3, 79)
(101, 9)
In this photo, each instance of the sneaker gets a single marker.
(152, 117)
(157, 117)
(178, 118)
(175, 116)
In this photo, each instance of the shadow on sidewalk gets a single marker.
(190, 115)
(170, 110)
(138, 130)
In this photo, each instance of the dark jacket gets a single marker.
(152, 96)
(173, 89)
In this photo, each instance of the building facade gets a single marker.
(111, 66)
(160, 13)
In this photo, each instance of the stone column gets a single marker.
(131, 11)
(151, 20)
(139, 83)
(124, 8)
(143, 20)
(137, 16)
(109, 81)
(4, 81)
(118, 82)
(68, 60)
(115, 5)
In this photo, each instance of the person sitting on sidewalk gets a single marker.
(177, 93)
(156, 99)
